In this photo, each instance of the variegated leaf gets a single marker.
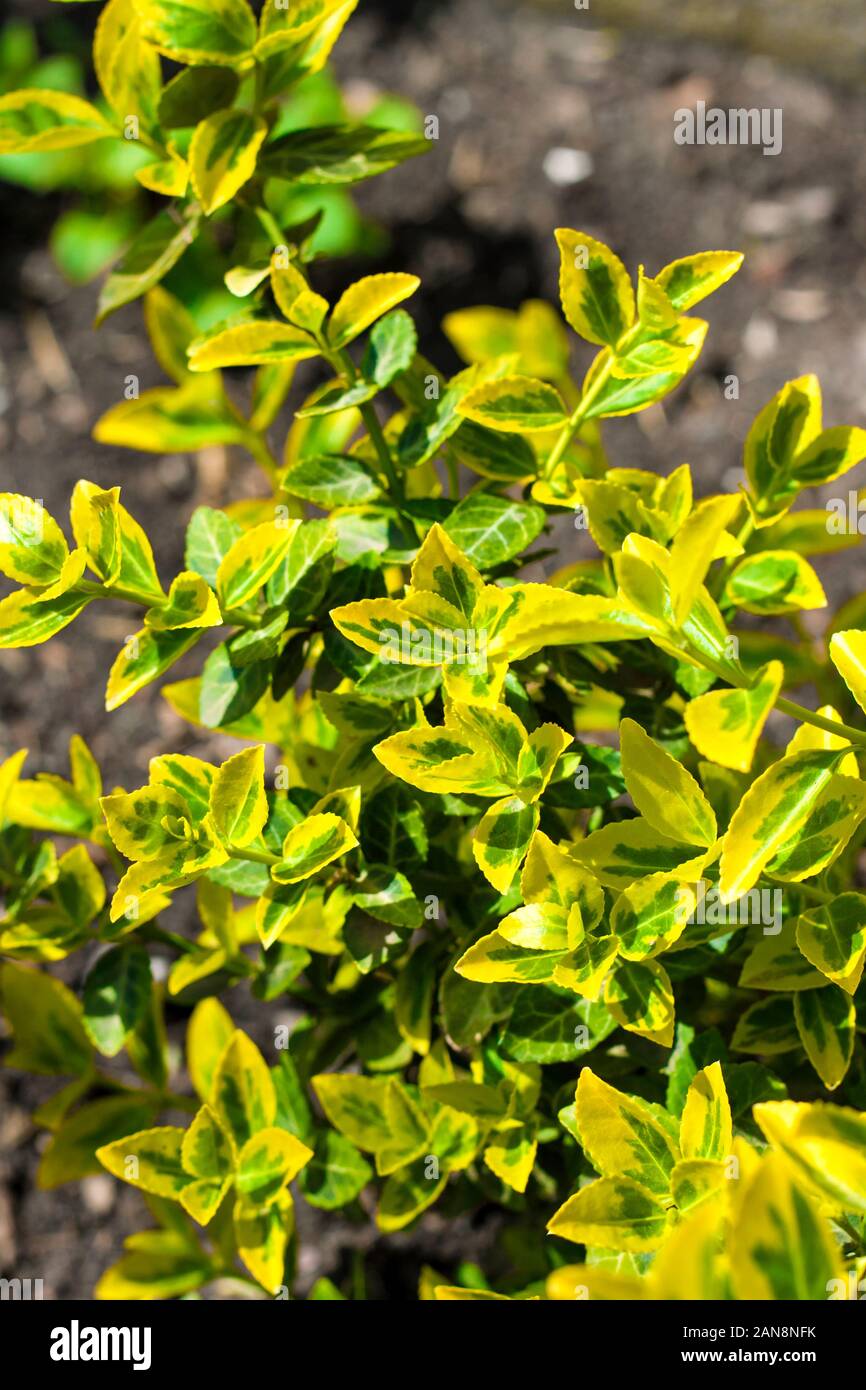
(781, 1246)
(725, 725)
(826, 1020)
(640, 997)
(833, 938)
(622, 1137)
(706, 1130)
(614, 1213)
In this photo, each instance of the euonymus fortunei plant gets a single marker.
(494, 839)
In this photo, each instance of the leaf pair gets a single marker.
(191, 818)
(553, 937)
(306, 334)
(787, 450)
(648, 1166)
(416, 1143)
(233, 1141)
(449, 617)
(648, 345)
(35, 554)
(483, 751)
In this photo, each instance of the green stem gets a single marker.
(149, 932)
(383, 453)
(233, 617)
(258, 856)
(162, 1098)
(576, 419)
(237, 619)
(817, 895)
(142, 138)
(790, 707)
(270, 225)
(87, 586)
(744, 535)
(342, 362)
(830, 726)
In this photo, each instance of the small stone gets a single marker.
(467, 168)
(70, 410)
(765, 219)
(360, 96)
(565, 167)
(98, 1194)
(31, 428)
(808, 207)
(814, 205)
(174, 472)
(761, 337)
(455, 103)
(802, 306)
(159, 968)
(14, 1128)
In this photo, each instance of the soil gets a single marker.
(529, 100)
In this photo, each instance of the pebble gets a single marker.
(174, 472)
(360, 96)
(455, 103)
(70, 411)
(14, 1127)
(801, 306)
(160, 967)
(565, 167)
(761, 337)
(809, 207)
(98, 1193)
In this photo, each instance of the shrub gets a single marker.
(50, 140)
(490, 837)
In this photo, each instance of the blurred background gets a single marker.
(550, 114)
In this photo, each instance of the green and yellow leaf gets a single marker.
(641, 999)
(826, 1020)
(665, 794)
(242, 1092)
(36, 119)
(310, 846)
(706, 1130)
(365, 302)
(781, 1246)
(725, 725)
(238, 803)
(222, 156)
(596, 292)
(622, 1137)
(219, 32)
(824, 1144)
(848, 654)
(833, 937)
(515, 404)
(149, 1160)
(614, 1213)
